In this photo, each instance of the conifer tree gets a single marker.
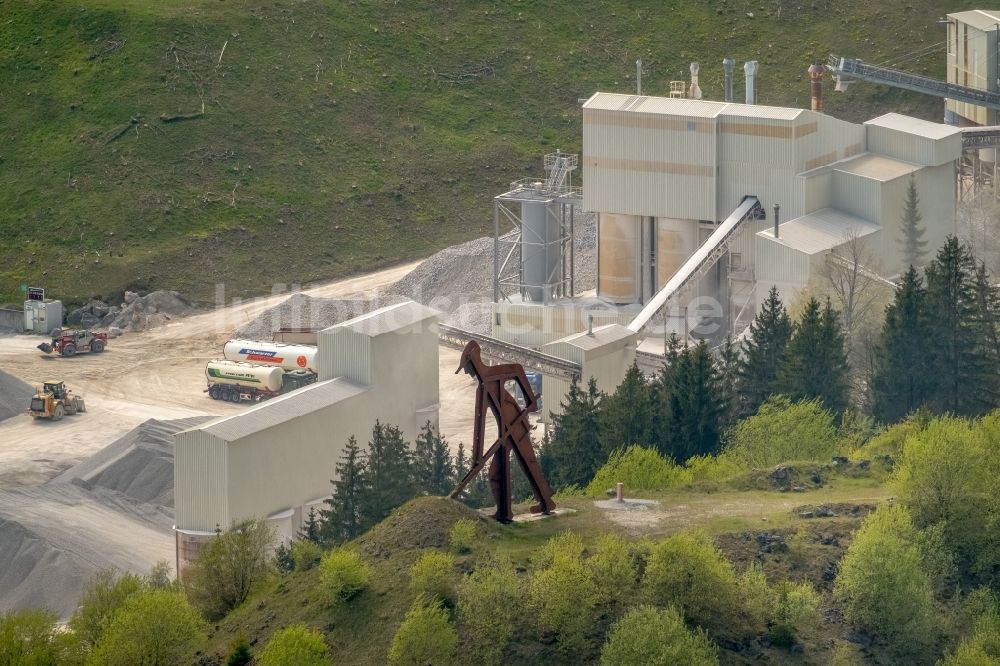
(342, 519)
(312, 527)
(816, 361)
(388, 472)
(959, 364)
(901, 382)
(574, 453)
(729, 368)
(913, 246)
(697, 406)
(433, 470)
(662, 395)
(626, 414)
(763, 354)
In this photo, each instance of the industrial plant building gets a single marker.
(275, 460)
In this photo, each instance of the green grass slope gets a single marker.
(342, 136)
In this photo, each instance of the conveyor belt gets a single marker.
(498, 350)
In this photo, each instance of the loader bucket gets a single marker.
(45, 347)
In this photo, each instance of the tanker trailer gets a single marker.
(289, 357)
(236, 381)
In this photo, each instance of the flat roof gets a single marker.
(983, 19)
(820, 230)
(876, 167)
(915, 126)
(603, 335)
(280, 410)
(692, 108)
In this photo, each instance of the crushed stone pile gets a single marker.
(302, 311)
(138, 465)
(14, 395)
(463, 274)
(114, 509)
(137, 313)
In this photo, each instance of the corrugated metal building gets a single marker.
(276, 459)
(972, 61)
(661, 173)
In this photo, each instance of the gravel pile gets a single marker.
(462, 274)
(137, 313)
(138, 465)
(473, 317)
(301, 311)
(14, 396)
(114, 509)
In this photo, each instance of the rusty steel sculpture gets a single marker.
(513, 433)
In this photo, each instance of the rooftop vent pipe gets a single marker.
(638, 77)
(816, 76)
(590, 325)
(750, 70)
(729, 64)
(777, 207)
(694, 92)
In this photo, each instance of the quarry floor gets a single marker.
(160, 374)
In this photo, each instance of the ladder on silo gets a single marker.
(847, 69)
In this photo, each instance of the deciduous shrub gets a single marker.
(757, 599)
(463, 535)
(685, 570)
(782, 431)
(228, 567)
(612, 567)
(639, 469)
(650, 637)
(433, 575)
(31, 637)
(239, 651)
(104, 595)
(796, 610)
(306, 554)
(883, 586)
(489, 605)
(562, 593)
(567, 544)
(297, 645)
(151, 627)
(343, 574)
(425, 637)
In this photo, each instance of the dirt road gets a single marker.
(156, 374)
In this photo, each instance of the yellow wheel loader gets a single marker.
(55, 401)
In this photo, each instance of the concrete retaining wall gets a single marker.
(11, 320)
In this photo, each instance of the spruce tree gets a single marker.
(626, 414)
(913, 247)
(900, 381)
(729, 372)
(959, 364)
(388, 473)
(574, 452)
(662, 395)
(763, 354)
(433, 470)
(342, 519)
(312, 527)
(697, 406)
(815, 363)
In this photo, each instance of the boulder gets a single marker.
(130, 296)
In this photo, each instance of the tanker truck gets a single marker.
(274, 354)
(236, 381)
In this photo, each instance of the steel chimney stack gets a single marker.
(777, 207)
(816, 77)
(638, 77)
(695, 91)
(729, 65)
(750, 70)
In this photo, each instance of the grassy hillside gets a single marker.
(338, 137)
